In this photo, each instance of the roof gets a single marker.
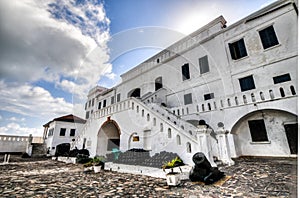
(67, 118)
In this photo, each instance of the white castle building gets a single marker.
(225, 91)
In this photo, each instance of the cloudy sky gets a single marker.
(53, 51)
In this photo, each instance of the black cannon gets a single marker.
(203, 171)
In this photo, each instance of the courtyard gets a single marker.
(249, 177)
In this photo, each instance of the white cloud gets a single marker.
(16, 119)
(35, 45)
(15, 129)
(31, 101)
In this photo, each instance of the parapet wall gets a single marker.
(15, 144)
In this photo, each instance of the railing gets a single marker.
(266, 94)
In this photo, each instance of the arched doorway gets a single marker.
(108, 138)
(135, 93)
(266, 133)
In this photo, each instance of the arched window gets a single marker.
(178, 140)
(154, 121)
(188, 147)
(209, 107)
(253, 97)
(148, 117)
(169, 133)
(203, 109)
(262, 97)
(271, 94)
(293, 90)
(221, 103)
(161, 127)
(197, 108)
(143, 113)
(244, 99)
(236, 101)
(132, 105)
(137, 109)
(281, 92)
(215, 105)
(228, 102)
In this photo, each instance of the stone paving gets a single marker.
(249, 177)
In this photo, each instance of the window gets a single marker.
(118, 97)
(72, 132)
(50, 133)
(258, 130)
(158, 83)
(268, 37)
(104, 103)
(203, 63)
(209, 96)
(282, 78)
(178, 140)
(237, 49)
(89, 103)
(87, 115)
(169, 133)
(188, 147)
(93, 102)
(99, 105)
(112, 100)
(188, 99)
(247, 83)
(85, 105)
(185, 70)
(62, 132)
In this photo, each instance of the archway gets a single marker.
(108, 138)
(135, 93)
(266, 132)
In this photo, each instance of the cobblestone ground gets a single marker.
(249, 177)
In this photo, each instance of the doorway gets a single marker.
(291, 131)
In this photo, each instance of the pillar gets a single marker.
(203, 136)
(223, 146)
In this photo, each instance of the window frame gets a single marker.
(247, 89)
(267, 44)
(284, 78)
(202, 65)
(185, 99)
(71, 134)
(237, 49)
(62, 130)
(261, 136)
(185, 71)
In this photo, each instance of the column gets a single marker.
(223, 146)
(203, 136)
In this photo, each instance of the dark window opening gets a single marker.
(188, 99)
(87, 115)
(247, 83)
(72, 132)
(118, 97)
(281, 92)
(282, 78)
(258, 130)
(135, 93)
(104, 103)
(293, 90)
(62, 132)
(237, 49)
(112, 100)
(99, 105)
(158, 83)
(203, 63)
(268, 37)
(185, 70)
(93, 102)
(208, 96)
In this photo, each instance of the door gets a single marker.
(291, 131)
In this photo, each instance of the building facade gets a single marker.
(62, 130)
(226, 91)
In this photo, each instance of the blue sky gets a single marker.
(53, 51)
